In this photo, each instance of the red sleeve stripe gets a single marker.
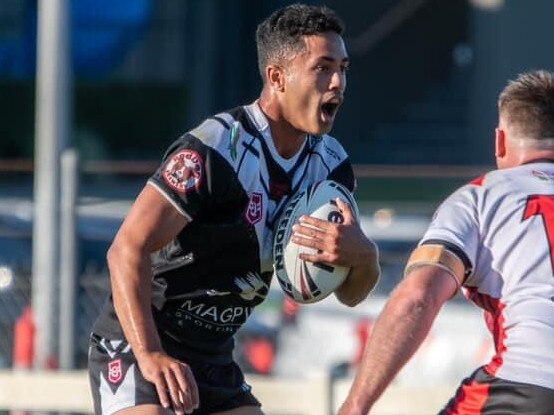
(478, 181)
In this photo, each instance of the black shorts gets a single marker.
(116, 381)
(483, 394)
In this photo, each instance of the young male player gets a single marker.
(493, 237)
(193, 257)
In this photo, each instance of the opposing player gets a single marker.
(493, 237)
(193, 257)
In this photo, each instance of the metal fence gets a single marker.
(13, 301)
(92, 291)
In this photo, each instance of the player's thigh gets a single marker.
(148, 409)
(241, 410)
(488, 395)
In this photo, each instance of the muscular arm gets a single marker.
(399, 331)
(151, 223)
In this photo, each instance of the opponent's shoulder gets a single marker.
(509, 179)
(479, 184)
(490, 187)
(486, 180)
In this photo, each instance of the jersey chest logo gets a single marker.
(255, 208)
(115, 371)
(183, 172)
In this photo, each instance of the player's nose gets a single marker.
(338, 81)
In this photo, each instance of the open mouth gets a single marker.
(329, 109)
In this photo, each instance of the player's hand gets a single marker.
(173, 380)
(336, 243)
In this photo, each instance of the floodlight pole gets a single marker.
(68, 257)
(51, 136)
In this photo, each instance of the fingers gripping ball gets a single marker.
(304, 281)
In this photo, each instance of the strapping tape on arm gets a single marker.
(439, 256)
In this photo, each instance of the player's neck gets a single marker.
(536, 156)
(286, 139)
(539, 160)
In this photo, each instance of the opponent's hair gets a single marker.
(527, 106)
(279, 37)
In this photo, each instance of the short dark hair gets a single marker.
(279, 37)
(527, 105)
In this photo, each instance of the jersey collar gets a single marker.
(261, 123)
(259, 118)
(538, 161)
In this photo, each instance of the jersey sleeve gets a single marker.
(195, 178)
(455, 225)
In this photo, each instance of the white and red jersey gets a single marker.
(502, 227)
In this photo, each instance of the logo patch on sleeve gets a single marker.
(183, 172)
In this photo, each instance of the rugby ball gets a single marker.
(304, 281)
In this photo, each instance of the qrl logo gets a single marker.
(115, 371)
(254, 209)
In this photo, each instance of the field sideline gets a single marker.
(314, 395)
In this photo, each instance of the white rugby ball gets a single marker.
(304, 281)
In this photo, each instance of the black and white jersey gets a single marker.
(227, 179)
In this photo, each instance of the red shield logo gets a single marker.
(115, 371)
(183, 171)
(254, 209)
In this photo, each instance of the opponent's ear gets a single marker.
(499, 143)
(275, 77)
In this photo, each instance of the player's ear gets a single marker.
(275, 77)
(500, 143)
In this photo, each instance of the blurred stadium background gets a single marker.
(418, 121)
